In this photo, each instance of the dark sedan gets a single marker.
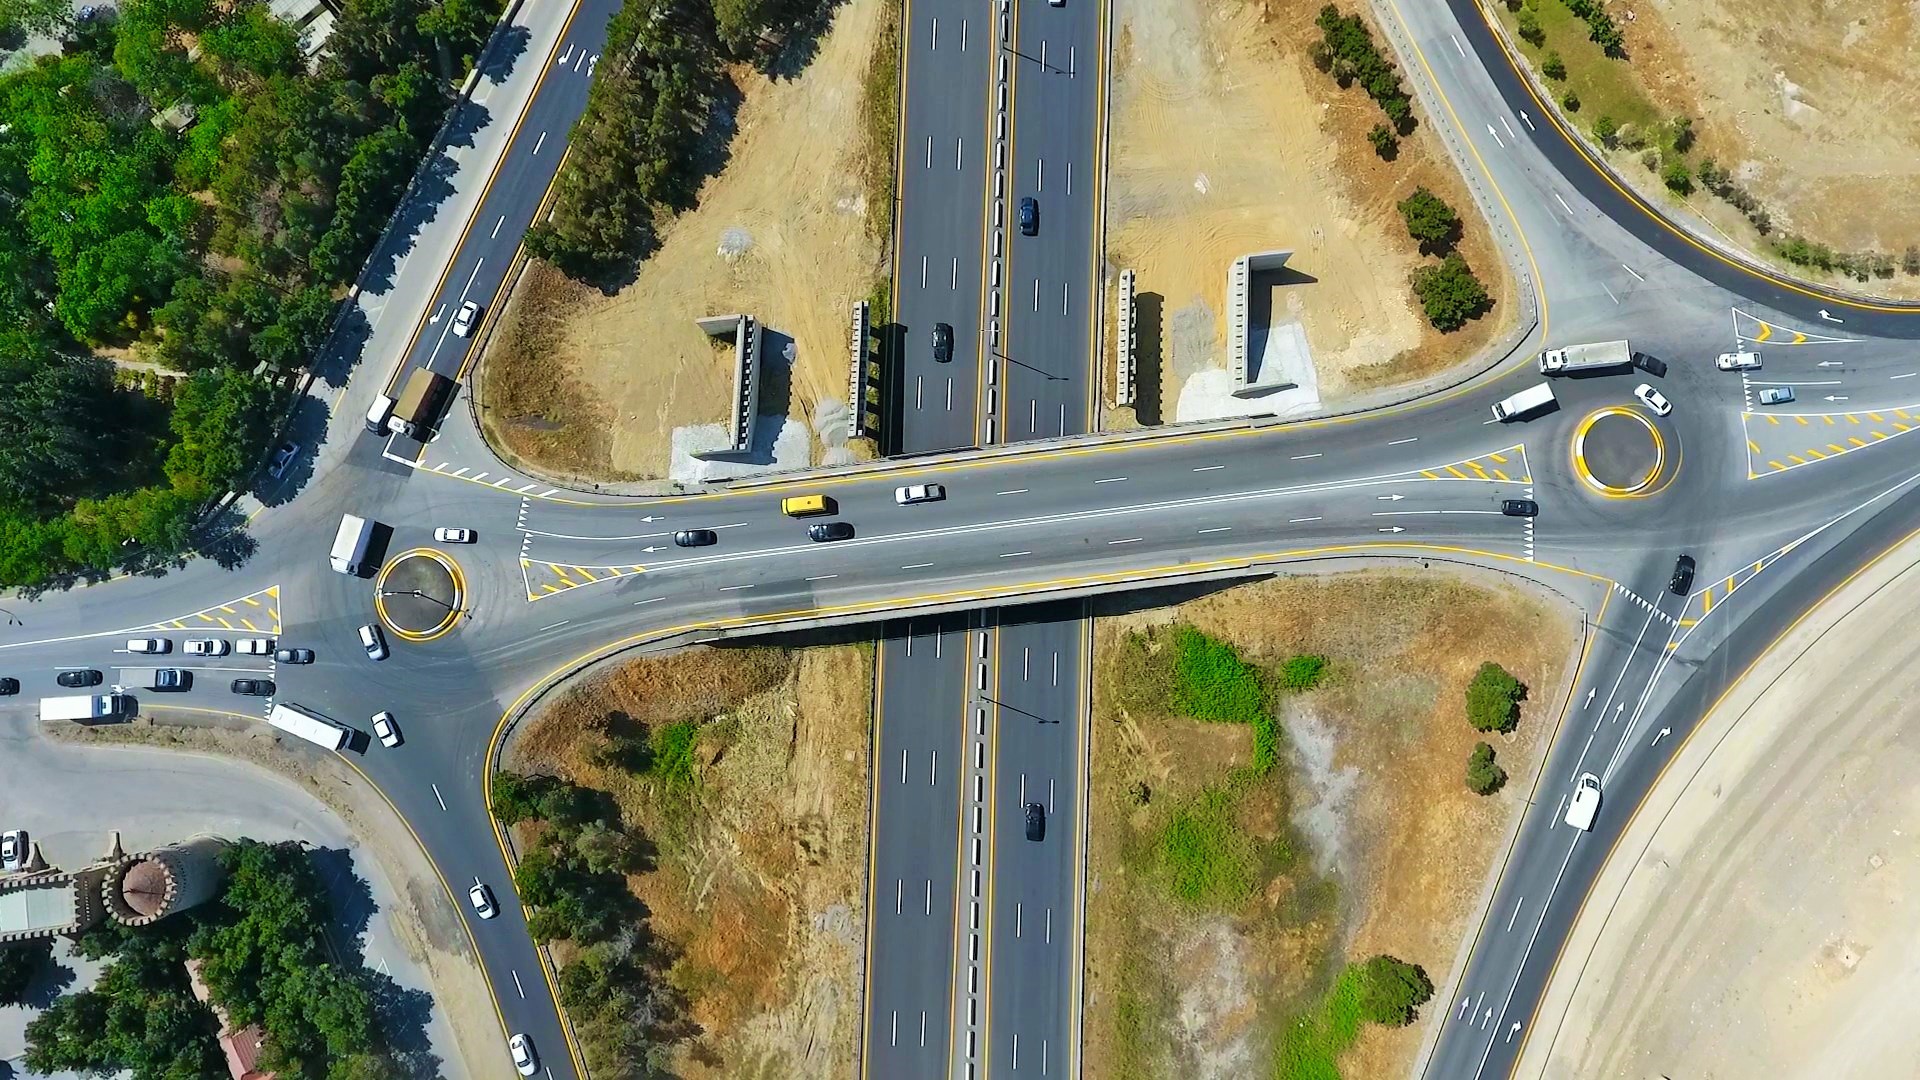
(829, 531)
(253, 687)
(78, 677)
(696, 537)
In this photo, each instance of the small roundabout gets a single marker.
(1619, 452)
(420, 594)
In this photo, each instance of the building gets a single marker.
(241, 1047)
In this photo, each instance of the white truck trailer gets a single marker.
(309, 725)
(1594, 356)
(350, 544)
(1528, 401)
(83, 708)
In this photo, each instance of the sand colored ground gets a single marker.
(1757, 917)
(760, 884)
(1376, 780)
(1225, 140)
(582, 385)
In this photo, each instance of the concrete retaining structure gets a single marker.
(747, 334)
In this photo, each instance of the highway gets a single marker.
(558, 578)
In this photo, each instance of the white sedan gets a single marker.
(463, 320)
(207, 647)
(383, 726)
(453, 536)
(1585, 803)
(1653, 399)
(919, 493)
(481, 898)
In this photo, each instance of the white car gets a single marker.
(149, 645)
(1737, 361)
(481, 898)
(1585, 802)
(207, 646)
(524, 1059)
(14, 849)
(257, 646)
(919, 493)
(1776, 395)
(453, 536)
(383, 726)
(1653, 399)
(463, 321)
(372, 640)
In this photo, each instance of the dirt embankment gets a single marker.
(1364, 841)
(582, 385)
(1225, 140)
(759, 883)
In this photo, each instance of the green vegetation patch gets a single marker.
(1380, 990)
(1212, 682)
(1206, 858)
(1604, 86)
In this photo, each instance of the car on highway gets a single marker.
(524, 1059)
(198, 646)
(171, 678)
(1776, 395)
(76, 677)
(1036, 822)
(464, 319)
(919, 493)
(384, 727)
(1585, 802)
(1650, 364)
(283, 459)
(1682, 578)
(481, 898)
(1653, 399)
(256, 646)
(695, 538)
(942, 342)
(1029, 216)
(149, 645)
(453, 536)
(830, 531)
(9, 687)
(293, 656)
(253, 687)
(1519, 507)
(1737, 361)
(14, 849)
(372, 640)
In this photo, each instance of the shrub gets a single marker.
(1529, 23)
(1800, 252)
(1553, 67)
(1391, 991)
(1303, 672)
(1430, 220)
(1449, 293)
(1384, 142)
(1493, 699)
(672, 747)
(1605, 129)
(1212, 682)
(1910, 262)
(1570, 101)
(1353, 58)
(1677, 177)
(1484, 777)
(1712, 176)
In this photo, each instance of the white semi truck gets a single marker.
(83, 708)
(1595, 356)
(350, 544)
(309, 725)
(1528, 401)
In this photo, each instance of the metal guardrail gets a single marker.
(1127, 363)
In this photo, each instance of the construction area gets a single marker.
(1226, 142)
(580, 386)
(1223, 898)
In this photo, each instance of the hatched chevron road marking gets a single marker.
(254, 613)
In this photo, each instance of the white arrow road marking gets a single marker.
(1496, 137)
(1829, 316)
(1390, 498)
(1526, 121)
(1664, 732)
(1836, 397)
(1395, 529)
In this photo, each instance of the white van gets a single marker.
(256, 646)
(149, 645)
(378, 413)
(1585, 803)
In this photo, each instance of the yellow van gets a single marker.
(803, 505)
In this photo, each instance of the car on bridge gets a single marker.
(1585, 804)
(942, 342)
(463, 321)
(1036, 822)
(830, 531)
(1029, 216)
(525, 1061)
(481, 898)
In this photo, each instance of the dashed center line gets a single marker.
(1012, 491)
(1128, 540)
(1402, 442)
(1110, 480)
(734, 588)
(916, 566)
(1297, 521)
(1223, 528)
(1014, 554)
(1209, 468)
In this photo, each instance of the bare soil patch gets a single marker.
(1365, 840)
(581, 384)
(1225, 140)
(759, 884)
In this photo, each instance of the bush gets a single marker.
(1680, 134)
(1605, 129)
(672, 759)
(1212, 682)
(1430, 220)
(1450, 294)
(1800, 252)
(1570, 101)
(1353, 58)
(1384, 142)
(1303, 672)
(1910, 262)
(1529, 23)
(1677, 177)
(1553, 67)
(1493, 699)
(1484, 777)
(1391, 991)
(1712, 176)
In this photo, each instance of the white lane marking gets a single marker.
(1012, 491)
(1298, 521)
(1402, 442)
(1111, 480)
(1014, 554)
(496, 226)
(824, 577)
(734, 588)
(1303, 457)
(1129, 540)
(655, 600)
(959, 150)
(903, 766)
(1517, 905)
(1209, 468)
(933, 27)
(553, 626)
(1631, 270)
(1528, 951)
(735, 525)
(436, 795)
(1908, 375)
(1563, 203)
(916, 566)
(929, 151)
(517, 986)
(1457, 48)
(538, 143)
(1403, 513)
(1223, 528)
(1778, 382)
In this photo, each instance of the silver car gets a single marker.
(525, 1061)
(1776, 395)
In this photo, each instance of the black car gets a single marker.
(1682, 575)
(832, 530)
(1519, 507)
(695, 537)
(254, 687)
(1036, 822)
(78, 677)
(1030, 216)
(293, 656)
(1652, 365)
(9, 686)
(942, 342)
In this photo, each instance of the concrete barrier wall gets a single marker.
(1126, 364)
